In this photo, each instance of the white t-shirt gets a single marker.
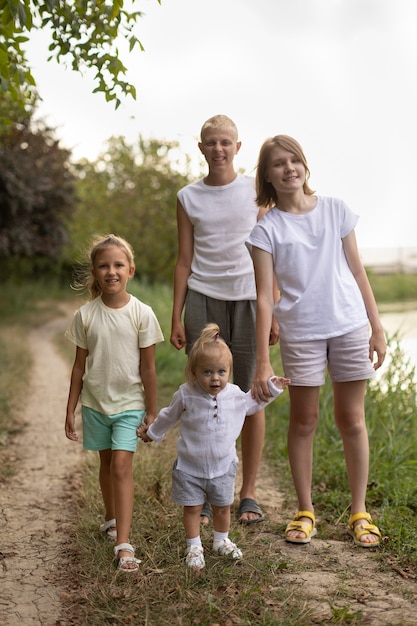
(113, 338)
(320, 297)
(222, 217)
(209, 426)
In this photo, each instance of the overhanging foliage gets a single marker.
(84, 34)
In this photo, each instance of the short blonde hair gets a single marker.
(208, 341)
(216, 122)
(266, 196)
(83, 276)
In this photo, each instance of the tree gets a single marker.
(84, 33)
(37, 193)
(131, 191)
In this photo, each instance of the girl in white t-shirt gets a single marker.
(308, 244)
(114, 375)
(210, 412)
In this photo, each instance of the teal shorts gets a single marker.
(111, 432)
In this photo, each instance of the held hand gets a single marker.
(70, 432)
(141, 433)
(178, 336)
(280, 382)
(377, 344)
(260, 388)
(141, 430)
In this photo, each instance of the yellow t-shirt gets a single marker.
(113, 338)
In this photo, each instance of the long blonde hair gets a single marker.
(83, 278)
(208, 341)
(266, 196)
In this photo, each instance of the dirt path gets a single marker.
(334, 582)
(331, 581)
(34, 513)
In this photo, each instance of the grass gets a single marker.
(249, 592)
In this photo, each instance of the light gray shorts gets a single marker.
(191, 490)
(111, 432)
(237, 323)
(346, 357)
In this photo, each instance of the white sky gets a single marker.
(338, 75)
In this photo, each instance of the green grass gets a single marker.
(250, 592)
(393, 288)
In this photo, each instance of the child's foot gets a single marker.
(195, 557)
(109, 529)
(124, 555)
(227, 548)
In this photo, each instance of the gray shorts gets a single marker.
(191, 490)
(237, 323)
(346, 357)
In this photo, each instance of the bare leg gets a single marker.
(191, 520)
(350, 419)
(252, 441)
(304, 414)
(221, 518)
(106, 483)
(122, 474)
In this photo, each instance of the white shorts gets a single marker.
(346, 357)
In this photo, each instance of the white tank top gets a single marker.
(222, 217)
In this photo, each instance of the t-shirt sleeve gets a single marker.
(348, 219)
(259, 238)
(150, 331)
(75, 332)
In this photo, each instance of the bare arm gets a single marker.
(274, 333)
(264, 277)
(181, 273)
(76, 386)
(377, 341)
(148, 375)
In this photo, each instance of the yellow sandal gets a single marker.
(363, 529)
(305, 527)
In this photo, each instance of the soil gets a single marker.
(38, 511)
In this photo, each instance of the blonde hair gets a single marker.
(83, 276)
(266, 196)
(216, 122)
(208, 342)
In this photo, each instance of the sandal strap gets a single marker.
(125, 547)
(366, 529)
(357, 516)
(128, 560)
(304, 527)
(107, 524)
(308, 514)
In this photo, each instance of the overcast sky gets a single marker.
(338, 75)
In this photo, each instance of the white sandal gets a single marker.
(122, 561)
(109, 529)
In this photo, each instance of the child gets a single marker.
(210, 412)
(214, 279)
(307, 244)
(114, 373)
